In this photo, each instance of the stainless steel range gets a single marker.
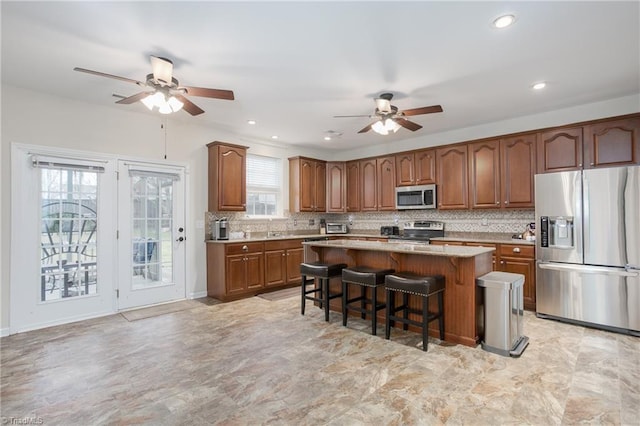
(420, 231)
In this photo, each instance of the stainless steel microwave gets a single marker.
(416, 197)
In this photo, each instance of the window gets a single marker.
(264, 186)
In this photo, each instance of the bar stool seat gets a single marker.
(321, 294)
(363, 276)
(418, 285)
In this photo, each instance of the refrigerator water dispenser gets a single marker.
(557, 232)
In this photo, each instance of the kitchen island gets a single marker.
(460, 265)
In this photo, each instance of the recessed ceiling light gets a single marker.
(252, 122)
(327, 138)
(540, 85)
(504, 21)
(274, 137)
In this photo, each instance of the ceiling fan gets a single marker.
(390, 119)
(166, 94)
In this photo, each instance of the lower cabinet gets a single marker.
(239, 270)
(514, 258)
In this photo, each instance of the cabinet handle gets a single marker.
(282, 254)
(245, 248)
(506, 202)
(516, 249)
(502, 262)
(593, 164)
(497, 203)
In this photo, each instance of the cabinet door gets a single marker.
(307, 185)
(227, 178)
(236, 274)
(386, 171)
(517, 171)
(320, 187)
(274, 268)
(353, 186)
(254, 264)
(336, 187)
(425, 167)
(494, 257)
(453, 184)
(368, 184)
(560, 150)
(527, 268)
(405, 169)
(612, 143)
(293, 259)
(484, 174)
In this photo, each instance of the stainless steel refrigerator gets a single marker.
(588, 247)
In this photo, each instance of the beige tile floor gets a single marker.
(257, 361)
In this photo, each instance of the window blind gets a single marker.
(263, 172)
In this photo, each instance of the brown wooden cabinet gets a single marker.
(336, 187)
(416, 167)
(612, 143)
(282, 262)
(514, 258)
(307, 185)
(227, 177)
(368, 185)
(386, 183)
(517, 171)
(484, 174)
(560, 150)
(244, 267)
(453, 181)
(353, 186)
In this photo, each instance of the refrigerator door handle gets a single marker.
(632, 267)
(582, 269)
(586, 226)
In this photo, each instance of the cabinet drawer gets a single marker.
(446, 243)
(240, 248)
(282, 244)
(490, 245)
(516, 250)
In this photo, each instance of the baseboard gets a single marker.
(4, 332)
(62, 321)
(197, 295)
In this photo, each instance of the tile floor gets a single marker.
(257, 361)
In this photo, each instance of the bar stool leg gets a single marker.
(405, 311)
(325, 292)
(441, 314)
(304, 290)
(345, 297)
(363, 303)
(374, 310)
(425, 323)
(391, 302)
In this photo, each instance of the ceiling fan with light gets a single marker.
(390, 119)
(166, 94)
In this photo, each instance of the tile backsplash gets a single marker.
(495, 221)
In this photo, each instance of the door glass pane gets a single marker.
(68, 231)
(152, 222)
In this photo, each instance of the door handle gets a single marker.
(180, 239)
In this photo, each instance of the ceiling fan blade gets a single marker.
(424, 110)
(209, 93)
(366, 129)
(162, 69)
(189, 106)
(102, 74)
(133, 99)
(408, 124)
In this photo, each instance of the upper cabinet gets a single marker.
(307, 185)
(353, 186)
(368, 185)
(227, 177)
(453, 183)
(416, 167)
(612, 143)
(484, 174)
(336, 187)
(560, 150)
(386, 175)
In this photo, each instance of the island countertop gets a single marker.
(403, 247)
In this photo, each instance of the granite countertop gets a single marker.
(403, 247)
(483, 237)
(293, 237)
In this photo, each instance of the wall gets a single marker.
(33, 118)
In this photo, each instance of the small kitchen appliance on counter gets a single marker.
(336, 228)
(221, 229)
(421, 231)
(389, 230)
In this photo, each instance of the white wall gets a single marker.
(37, 119)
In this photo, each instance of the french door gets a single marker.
(151, 234)
(62, 251)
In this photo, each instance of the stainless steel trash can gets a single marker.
(503, 313)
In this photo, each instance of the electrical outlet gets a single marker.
(351, 220)
(312, 222)
(485, 221)
(295, 222)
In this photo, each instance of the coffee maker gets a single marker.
(221, 229)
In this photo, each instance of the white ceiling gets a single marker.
(294, 65)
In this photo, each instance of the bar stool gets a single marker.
(423, 286)
(323, 272)
(364, 277)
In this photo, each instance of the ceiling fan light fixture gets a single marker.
(175, 104)
(164, 105)
(380, 128)
(391, 125)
